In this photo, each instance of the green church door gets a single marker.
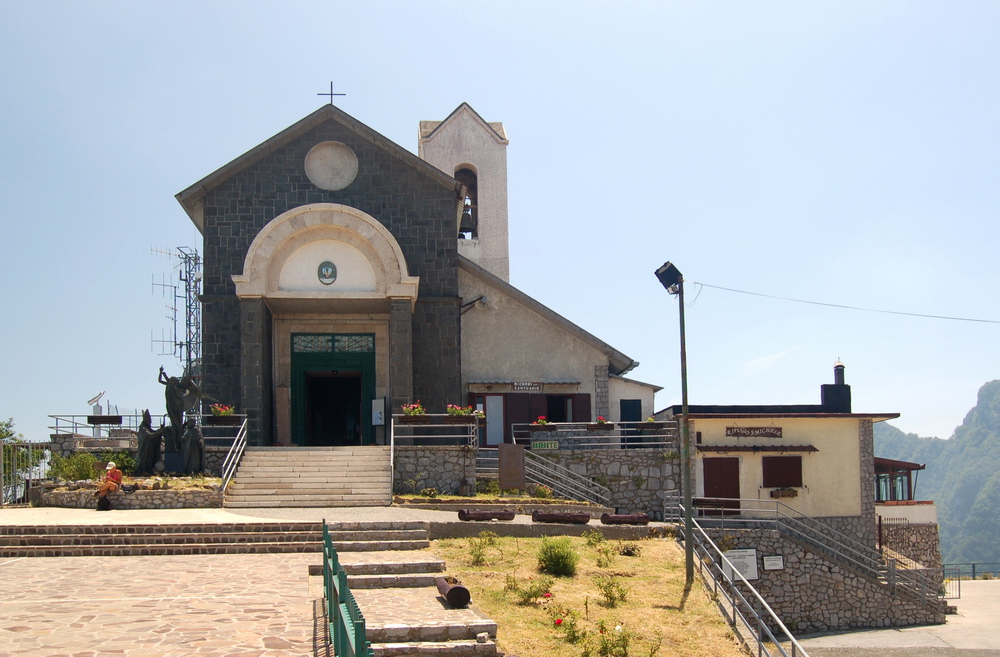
(333, 384)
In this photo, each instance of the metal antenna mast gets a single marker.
(186, 294)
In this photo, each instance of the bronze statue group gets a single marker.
(181, 436)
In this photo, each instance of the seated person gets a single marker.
(112, 481)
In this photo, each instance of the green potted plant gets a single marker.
(222, 415)
(414, 413)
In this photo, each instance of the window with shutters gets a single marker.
(782, 472)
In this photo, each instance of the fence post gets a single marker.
(973, 570)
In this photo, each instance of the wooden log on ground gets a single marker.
(565, 518)
(625, 518)
(457, 595)
(472, 514)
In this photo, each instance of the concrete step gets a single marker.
(287, 491)
(430, 631)
(436, 648)
(331, 498)
(401, 581)
(158, 550)
(265, 503)
(379, 546)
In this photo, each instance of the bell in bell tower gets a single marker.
(474, 152)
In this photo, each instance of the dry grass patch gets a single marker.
(626, 606)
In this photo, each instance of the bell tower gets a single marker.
(474, 152)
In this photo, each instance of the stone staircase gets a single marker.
(271, 477)
(225, 538)
(404, 613)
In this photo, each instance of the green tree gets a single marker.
(19, 458)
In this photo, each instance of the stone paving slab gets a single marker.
(169, 606)
(412, 614)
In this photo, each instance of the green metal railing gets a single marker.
(346, 623)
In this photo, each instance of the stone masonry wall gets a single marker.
(816, 594)
(637, 478)
(918, 542)
(446, 468)
(414, 206)
(141, 499)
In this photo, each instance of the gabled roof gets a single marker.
(428, 128)
(191, 197)
(618, 362)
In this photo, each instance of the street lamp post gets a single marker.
(672, 279)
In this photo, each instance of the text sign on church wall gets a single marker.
(753, 432)
(525, 386)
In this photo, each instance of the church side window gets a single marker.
(469, 226)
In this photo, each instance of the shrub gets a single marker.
(629, 550)
(478, 547)
(529, 593)
(543, 492)
(430, 491)
(557, 557)
(594, 537)
(121, 458)
(605, 556)
(81, 465)
(487, 486)
(612, 589)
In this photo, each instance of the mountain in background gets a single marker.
(962, 478)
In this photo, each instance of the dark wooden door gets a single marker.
(722, 480)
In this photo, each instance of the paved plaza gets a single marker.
(253, 605)
(265, 605)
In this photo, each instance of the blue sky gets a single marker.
(840, 152)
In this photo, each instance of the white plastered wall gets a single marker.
(831, 476)
(619, 389)
(505, 341)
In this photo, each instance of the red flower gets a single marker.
(547, 595)
(558, 621)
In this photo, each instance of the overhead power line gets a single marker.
(837, 305)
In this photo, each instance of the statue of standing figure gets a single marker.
(181, 396)
(193, 448)
(150, 446)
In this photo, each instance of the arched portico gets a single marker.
(327, 290)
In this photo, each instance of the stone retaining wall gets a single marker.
(816, 594)
(637, 478)
(918, 542)
(192, 498)
(449, 469)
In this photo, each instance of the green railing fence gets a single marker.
(346, 623)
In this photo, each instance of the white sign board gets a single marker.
(744, 560)
(774, 562)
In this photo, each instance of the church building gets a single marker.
(345, 276)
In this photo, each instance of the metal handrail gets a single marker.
(435, 421)
(712, 559)
(234, 455)
(344, 618)
(622, 435)
(863, 558)
(564, 481)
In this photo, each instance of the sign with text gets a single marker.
(526, 386)
(544, 444)
(743, 560)
(753, 432)
(774, 562)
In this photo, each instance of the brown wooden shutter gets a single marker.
(782, 471)
(581, 408)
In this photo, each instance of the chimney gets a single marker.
(836, 397)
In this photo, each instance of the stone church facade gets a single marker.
(342, 272)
